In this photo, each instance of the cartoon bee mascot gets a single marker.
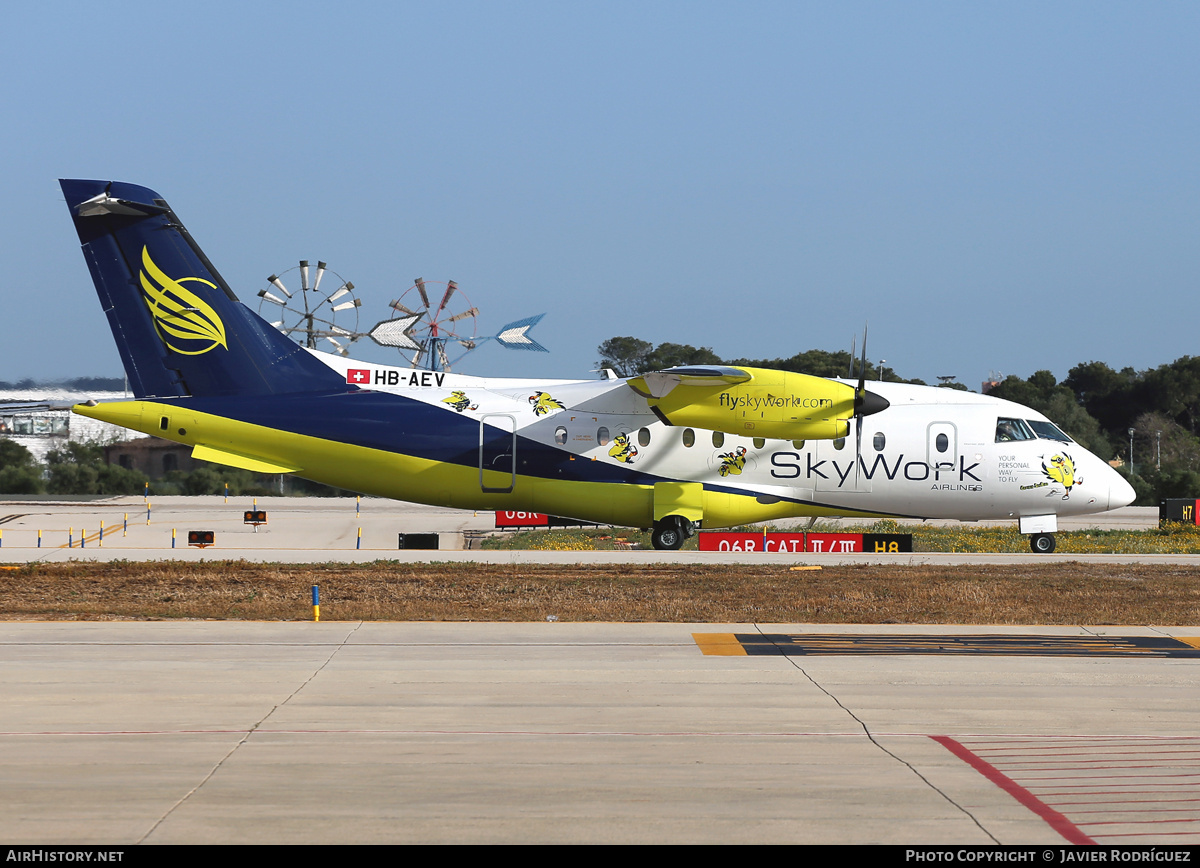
(732, 462)
(543, 403)
(623, 449)
(1062, 471)
(459, 401)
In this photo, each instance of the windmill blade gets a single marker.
(450, 287)
(396, 305)
(274, 299)
(474, 311)
(320, 274)
(420, 282)
(304, 275)
(278, 284)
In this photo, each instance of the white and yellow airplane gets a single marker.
(673, 450)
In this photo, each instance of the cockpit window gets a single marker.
(1008, 430)
(1048, 431)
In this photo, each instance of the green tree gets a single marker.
(80, 468)
(667, 355)
(625, 355)
(1175, 389)
(19, 473)
(1041, 392)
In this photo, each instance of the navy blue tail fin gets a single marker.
(180, 329)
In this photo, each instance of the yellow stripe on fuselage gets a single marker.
(422, 480)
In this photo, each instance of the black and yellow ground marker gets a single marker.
(859, 644)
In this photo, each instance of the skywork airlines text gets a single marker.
(947, 476)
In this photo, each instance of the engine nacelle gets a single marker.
(750, 402)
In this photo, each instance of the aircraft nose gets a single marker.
(1120, 492)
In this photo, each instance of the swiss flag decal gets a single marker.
(358, 376)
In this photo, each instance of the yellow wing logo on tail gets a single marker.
(179, 314)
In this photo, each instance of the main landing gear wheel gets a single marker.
(670, 532)
(1042, 543)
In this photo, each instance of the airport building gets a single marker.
(40, 419)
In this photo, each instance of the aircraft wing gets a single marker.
(659, 383)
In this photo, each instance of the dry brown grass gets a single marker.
(867, 594)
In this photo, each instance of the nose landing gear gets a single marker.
(1042, 543)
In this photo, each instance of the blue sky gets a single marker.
(994, 187)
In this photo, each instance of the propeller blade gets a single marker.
(860, 397)
(857, 447)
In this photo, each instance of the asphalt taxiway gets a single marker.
(220, 732)
(348, 732)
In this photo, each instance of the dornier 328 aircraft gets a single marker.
(674, 450)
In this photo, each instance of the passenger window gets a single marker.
(797, 444)
(689, 437)
(602, 436)
(760, 442)
(942, 443)
(644, 436)
(718, 439)
(839, 444)
(560, 435)
(878, 441)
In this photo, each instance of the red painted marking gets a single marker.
(510, 518)
(1056, 821)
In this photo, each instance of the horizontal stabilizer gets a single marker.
(244, 462)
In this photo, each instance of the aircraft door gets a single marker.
(497, 453)
(942, 446)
